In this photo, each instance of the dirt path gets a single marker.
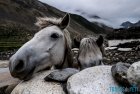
(5, 76)
(4, 63)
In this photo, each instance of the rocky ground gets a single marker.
(114, 55)
(128, 52)
(5, 55)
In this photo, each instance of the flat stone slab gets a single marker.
(124, 49)
(94, 80)
(110, 48)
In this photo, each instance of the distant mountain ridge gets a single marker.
(129, 24)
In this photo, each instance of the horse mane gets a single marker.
(46, 21)
(68, 52)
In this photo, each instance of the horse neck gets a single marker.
(102, 49)
(67, 61)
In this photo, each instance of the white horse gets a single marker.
(51, 46)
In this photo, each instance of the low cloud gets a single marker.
(112, 12)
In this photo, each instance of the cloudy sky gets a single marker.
(112, 12)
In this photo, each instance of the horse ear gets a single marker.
(65, 21)
(100, 41)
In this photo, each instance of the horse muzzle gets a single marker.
(21, 69)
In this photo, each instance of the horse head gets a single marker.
(47, 48)
(90, 52)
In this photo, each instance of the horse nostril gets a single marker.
(20, 66)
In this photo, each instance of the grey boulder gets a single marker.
(94, 80)
(119, 73)
(37, 85)
(133, 74)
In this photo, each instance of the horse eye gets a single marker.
(54, 36)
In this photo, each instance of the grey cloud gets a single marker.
(112, 12)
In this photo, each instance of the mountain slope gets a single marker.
(91, 26)
(137, 24)
(126, 24)
(17, 18)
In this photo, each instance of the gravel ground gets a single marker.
(113, 56)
